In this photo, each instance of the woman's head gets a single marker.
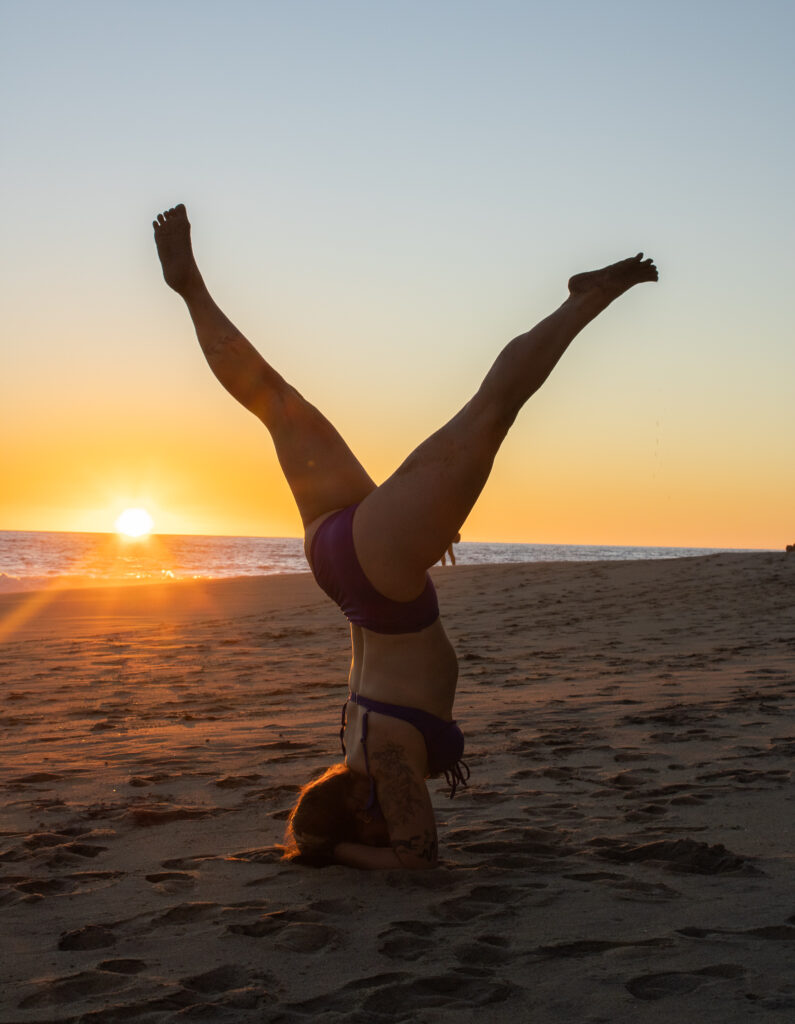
(330, 810)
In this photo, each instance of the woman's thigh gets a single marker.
(404, 526)
(320, 468)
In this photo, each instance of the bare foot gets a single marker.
(172, 237)
(608, 283)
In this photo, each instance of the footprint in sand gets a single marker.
(333, 907)
(57, 991)
(451, 991)
(407, 940)
(303, 937)
(258, 855)
(770, 933)
(220, 979)
(378, 996)
(485, 951)
(683, 855)
(187, 863)
(91, 936)
(185, 913)
(627, 888)
(630, 754)
(483, 901)
(403, 947)
(674, 983)
(163, 814)
(44, 886)
(46, 839)
(172, 881)
(69, 854)
(484, 796)
(523, 847)
(298, 930)
(237, 781)
(345, 999)
(590, 947)
(631, 778)
(122, 966)
(646, 813)
(34, 778)
(634, 891)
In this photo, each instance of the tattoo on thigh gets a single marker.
(397, 783)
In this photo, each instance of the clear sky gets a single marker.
(382, 194)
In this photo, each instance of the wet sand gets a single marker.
(624, 851)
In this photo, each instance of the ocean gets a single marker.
(35, 560)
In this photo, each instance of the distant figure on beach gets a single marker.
(450, 553)
(370, 548)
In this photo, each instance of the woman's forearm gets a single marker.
(372, 858)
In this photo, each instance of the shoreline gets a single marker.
(44, 611)
(219, 561)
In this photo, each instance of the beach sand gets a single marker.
(624, 851)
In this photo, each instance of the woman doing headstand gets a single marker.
(370, 547)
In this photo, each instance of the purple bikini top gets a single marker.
(338, 572)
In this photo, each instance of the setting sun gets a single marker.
(134, 522)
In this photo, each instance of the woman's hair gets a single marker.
(322, 817)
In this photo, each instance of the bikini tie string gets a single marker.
(455, 776)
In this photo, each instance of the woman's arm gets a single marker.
(399, 855)
(406, 806)
(368, 858)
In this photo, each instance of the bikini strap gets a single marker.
(372, 802)
(342, 726)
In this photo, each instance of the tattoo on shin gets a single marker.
(397, 783)
(424, 846)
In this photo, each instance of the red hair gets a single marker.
(322, 817)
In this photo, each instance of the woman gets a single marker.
(370, 547)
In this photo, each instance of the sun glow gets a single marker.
(134, 522)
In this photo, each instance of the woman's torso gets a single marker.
(416, 670)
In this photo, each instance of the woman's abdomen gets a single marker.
(414, 669)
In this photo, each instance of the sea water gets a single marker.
(29, 561)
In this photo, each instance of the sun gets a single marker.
(134, 522)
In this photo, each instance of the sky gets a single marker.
(382, 195)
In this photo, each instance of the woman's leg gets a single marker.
(403, 527)
(320, 468)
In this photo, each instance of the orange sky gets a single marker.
(379, 221)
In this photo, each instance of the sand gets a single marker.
(624, 851)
